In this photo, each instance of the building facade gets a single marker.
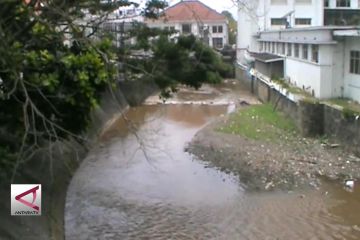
(120, 22)
(194, 17)
(293, 40)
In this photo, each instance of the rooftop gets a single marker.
(266, 57)
(187, 10)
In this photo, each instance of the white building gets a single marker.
(299, 40)
(120, 22)
(194, 17)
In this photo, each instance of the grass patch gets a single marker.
(259, 122)
(346, 104)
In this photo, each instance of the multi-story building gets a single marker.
(309, 43)
(120, 22)
(194, 17)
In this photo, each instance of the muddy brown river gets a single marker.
(140, 184)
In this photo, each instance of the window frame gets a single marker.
(289, 50)
(215, 45)
(303, 21)
(354, 62)
(315, 53)
(188, 25)
(278, 21)
(217, 29)
(305, 52)
(296, 50)
(283, 50)
(343, 3)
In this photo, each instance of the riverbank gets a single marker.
(54, 166)
(263, 147)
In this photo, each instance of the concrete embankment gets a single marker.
(54, 166)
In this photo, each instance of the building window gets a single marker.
(186, 28)
(326, 3)
(273, 48)
(261, 47)
(217, 42)
(217, 29)
(269, 46)
(278, 48)
(278, 2)
(289, 49)
(296, 46)
(278, 21)
(343, 3)
(303, 21)
(315, 53)
(130, 12)
(305, 49)
(283, 48)
(355, 62)
(303, 1)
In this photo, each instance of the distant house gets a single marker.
(194, 17)
(120, 22)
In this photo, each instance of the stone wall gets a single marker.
(311, 118)
(262, 91)
(54, 171)
(345, 130)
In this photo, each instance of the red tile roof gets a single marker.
(187, 10)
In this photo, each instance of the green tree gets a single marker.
(52, 73)
(232, 26)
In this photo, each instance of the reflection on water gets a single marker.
(142, 185)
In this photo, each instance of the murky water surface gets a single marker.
(140, 184)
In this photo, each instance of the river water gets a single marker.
(140, 184)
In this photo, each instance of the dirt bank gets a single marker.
(286, 161)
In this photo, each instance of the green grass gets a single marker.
(259, 122)
(346, 104)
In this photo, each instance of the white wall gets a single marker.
(313, 10)
(324, 77)
(337, 70)
(352, 81)
(303, 74)
(248, 25)
(195, 28)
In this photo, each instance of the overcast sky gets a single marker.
(218, 5)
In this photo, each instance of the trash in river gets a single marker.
(350, 184)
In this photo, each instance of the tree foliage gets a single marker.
(52, 73)
(232, 26)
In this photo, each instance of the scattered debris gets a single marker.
(244, 103)
(268, 185)
(349, 184)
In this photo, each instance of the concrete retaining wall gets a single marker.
(311, 118)
(54, 171)
(346, 130)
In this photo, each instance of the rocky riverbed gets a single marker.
(287, 162)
